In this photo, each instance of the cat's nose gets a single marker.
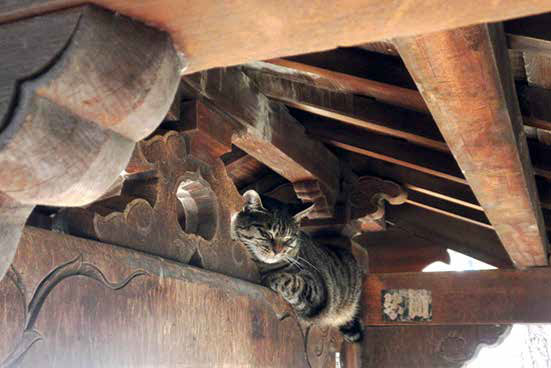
(278, 247)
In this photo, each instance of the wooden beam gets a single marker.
(332, 101)
(412, 180)
(464, 75)
(453, 233)
(448, 208)
(331, 94)
(383, 147)
(214, 34)
(266, 131)
(472, 297)
(324, 78)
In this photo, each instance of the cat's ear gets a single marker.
(252, 199)
(302, 214)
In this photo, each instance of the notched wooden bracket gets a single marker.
(364, 209)
(266, 131)
(78, 88)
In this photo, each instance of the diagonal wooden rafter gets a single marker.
(464, 76)
(266, 131)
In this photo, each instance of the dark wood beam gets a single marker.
(447, 208)
(464, 75)
(329, 97)
(215, 34)
(266, 131)
(328, 79)
(473, 297)
(383, 147)
(465, 237)
(413, 180)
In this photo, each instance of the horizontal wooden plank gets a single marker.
(214, 34)
(471, 297)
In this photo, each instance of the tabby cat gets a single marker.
(322, 284)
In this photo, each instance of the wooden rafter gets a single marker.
(332, 95)
(266, 131)
(213, 33)
(464, 76)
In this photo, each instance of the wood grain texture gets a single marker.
(470, 297)
(126, 308)
(65, 148)
(179, 209)
(78, 88)
(395, 250)
(342, 105)
(215, 34)
(12, 219)
(428, 346)
(471, 239)
(464, 76)
(267, 132)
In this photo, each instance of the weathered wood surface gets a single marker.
(12, 219)
(464, 76)
(465, 237)
(72, 104)
(126, 308)
(266, 131)
(428, 346)
(214, 34)
(345, 106)
(395, 250)
(383, 147)
(469, 297)
(176, 206)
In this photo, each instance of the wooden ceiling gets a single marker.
(477, 168)
(468, 135)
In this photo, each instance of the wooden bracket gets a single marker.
(78, 88)
(266, 131)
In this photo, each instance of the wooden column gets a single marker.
(465, 78)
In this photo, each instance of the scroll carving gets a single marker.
(172, 205)
(75, 267)
(72, 106)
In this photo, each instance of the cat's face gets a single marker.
(270, 236)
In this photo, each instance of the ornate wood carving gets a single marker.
(131, 309)
(173, 205)
(78, 88)
(364, 210)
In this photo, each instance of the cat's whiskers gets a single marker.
(305, 260)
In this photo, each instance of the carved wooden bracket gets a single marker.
(172, 205)
(265, 130)
(364, 209)
(78, 88)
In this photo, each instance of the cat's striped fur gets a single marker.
(323, 284)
